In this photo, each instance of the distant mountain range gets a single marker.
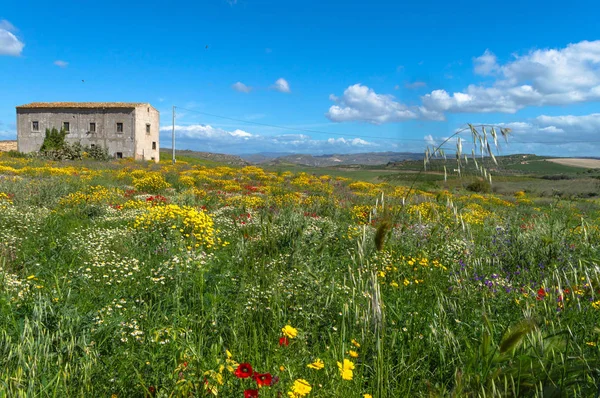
(277, 158)
(366, 158)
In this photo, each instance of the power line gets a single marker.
(364, 136)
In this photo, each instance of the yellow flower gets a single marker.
(300, 388)
(355, 343)
(317, 364)
(282, 368)
(367, 396)
(231, 363)
(591, 343)
(353, 354)
(346, 369)
(289, 331)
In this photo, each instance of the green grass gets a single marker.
(543, 167)
(374, 175)
(464, 296)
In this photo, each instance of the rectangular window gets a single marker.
(92, 127)
(119, 155)
(119, 127)
(154, 145)
(148, 128)
(66, 126)
(35, 126)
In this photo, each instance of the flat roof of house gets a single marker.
(86, 105)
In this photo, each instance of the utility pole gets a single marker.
(173, 135)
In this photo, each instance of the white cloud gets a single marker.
(282, 86)
(486, 64)
(207, 131)
(541, 77)
(429, 140)
(551, 129)
(240, 133)
(241, 87)
(557, 128)
(62, 64)
(216, 139)
(353, 142)
(361, 103)
(555, 135)
(574, 126)
(9, 43)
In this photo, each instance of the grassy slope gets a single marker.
(312, 266)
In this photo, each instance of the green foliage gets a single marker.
(479, 186)
(54, 140)
(16, 154)
(97, 152)
(55, 147)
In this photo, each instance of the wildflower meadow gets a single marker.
(128, 279)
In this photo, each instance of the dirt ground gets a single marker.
(6, 146)
(576, 162)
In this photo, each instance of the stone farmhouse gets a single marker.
(126, 129)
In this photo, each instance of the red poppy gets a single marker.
(152, 391)
(284, 341)
(243, 371)
(541, 293)
(263, 379)
(250, 393)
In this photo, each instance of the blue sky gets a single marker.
(345, 76)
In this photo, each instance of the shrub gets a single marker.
(16, 154)
(194, 226)
(97, 153)
(150, 183)
(54, 140)
(479, 186)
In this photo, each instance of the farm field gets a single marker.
(126, 279)
(578, 162)
(6, 146)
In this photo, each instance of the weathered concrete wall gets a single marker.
(147, 115)
(106, 134)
